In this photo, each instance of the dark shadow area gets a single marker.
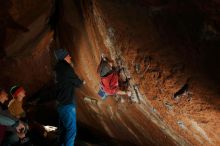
(189, 32)
(96, 137)
(45, 114)
(7, 22)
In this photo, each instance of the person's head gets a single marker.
(3, 95)
(18, 92)
(62, 54)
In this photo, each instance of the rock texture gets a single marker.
(169, 48)
(25, 43)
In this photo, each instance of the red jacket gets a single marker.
(110, 83)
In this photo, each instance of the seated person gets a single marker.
(11, 128)
(111, 82)
(15, 105)
(16, 109)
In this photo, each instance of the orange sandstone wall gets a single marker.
(168, 48)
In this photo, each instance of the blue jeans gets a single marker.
(67, 117)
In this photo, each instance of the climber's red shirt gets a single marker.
(110, 83)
